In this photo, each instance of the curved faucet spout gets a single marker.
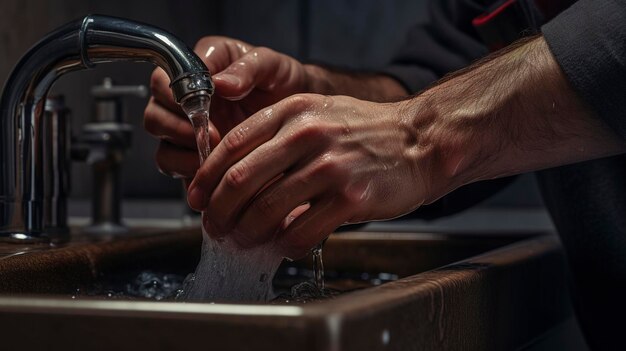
(76, 46)
(108, 39)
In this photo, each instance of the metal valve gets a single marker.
(103, 144)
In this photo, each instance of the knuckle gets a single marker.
(234, 140)
(329, 167)
(305, 133)
(300, 102)
(261, 51)
(237, 175)
(310, 129)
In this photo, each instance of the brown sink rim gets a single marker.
(498, 300)
(421, 283)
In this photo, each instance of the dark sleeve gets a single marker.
(589, 43)
(445, 43)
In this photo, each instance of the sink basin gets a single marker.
(455, 292)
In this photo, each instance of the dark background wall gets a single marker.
(358, 34)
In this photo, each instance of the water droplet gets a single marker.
(385, 337)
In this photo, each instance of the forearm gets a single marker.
(512, 113)
(365, 86)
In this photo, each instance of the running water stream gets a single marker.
(226, 272)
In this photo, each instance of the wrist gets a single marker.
(511, 113)
(443, 148)
(364, 86)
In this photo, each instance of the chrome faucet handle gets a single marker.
(108, 99)
(109, 90)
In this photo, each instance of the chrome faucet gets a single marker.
(79, 45)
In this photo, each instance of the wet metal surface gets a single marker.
(499, 300)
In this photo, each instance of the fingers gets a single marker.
(312, 226)
(162, 123)
(246, 178)
(235, 145)
(295, 214)
(245, 67)
(239, 142)
(160, 89)
(260, 68)
(268, 211)
(177, 155)
(218, 52)
(175, 161)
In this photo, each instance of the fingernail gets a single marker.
(196, 198)
(228, 78)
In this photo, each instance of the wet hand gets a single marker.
(297, 170)
(246, 79)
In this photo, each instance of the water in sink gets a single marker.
(292, 284)
(145, 285)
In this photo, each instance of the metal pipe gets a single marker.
(76, 46)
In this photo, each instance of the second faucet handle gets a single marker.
(108, 96)
(109, 90)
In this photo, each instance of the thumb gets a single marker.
(260, 68)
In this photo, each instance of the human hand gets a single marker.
(351, 160)
(348, 160)
(246, 79)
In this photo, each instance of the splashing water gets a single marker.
(293, 283)
(226, 271)
(318, 266)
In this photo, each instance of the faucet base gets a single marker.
(53, 232)
(23, 238)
